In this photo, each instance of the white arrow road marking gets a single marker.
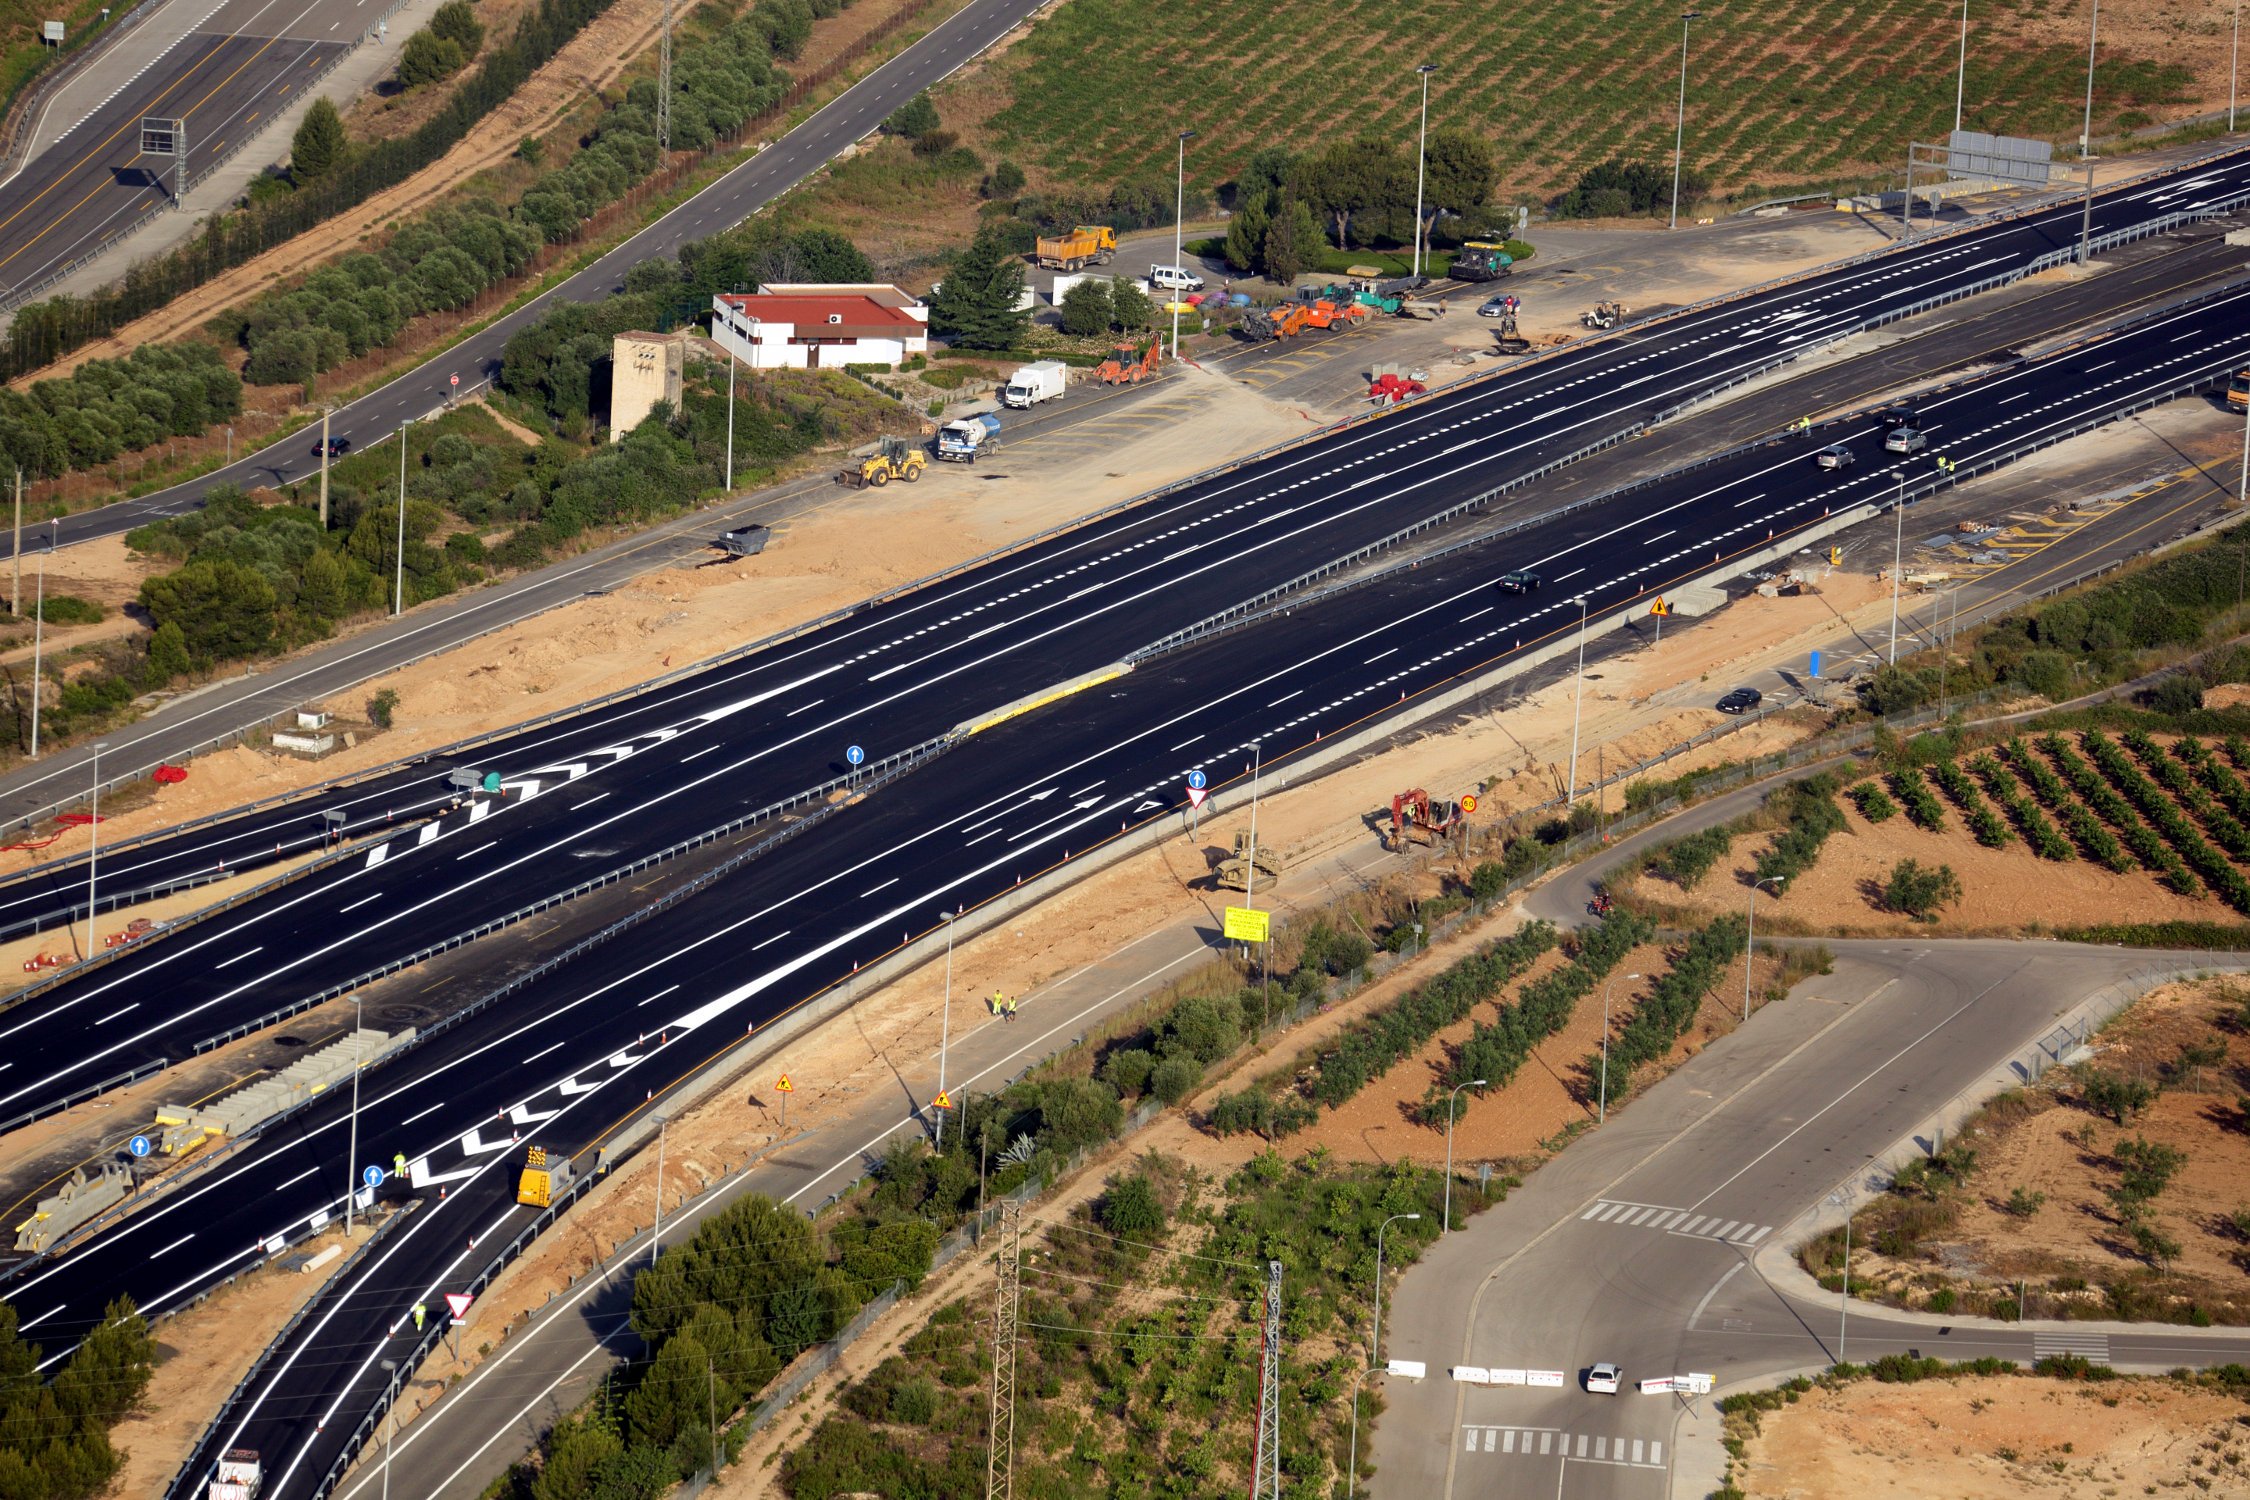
(572, 1087)
(474, 1144)
(524, 1114)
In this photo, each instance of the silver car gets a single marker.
(1905, 440)
(1834, 456)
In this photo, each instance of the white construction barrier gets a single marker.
(1508, 1377)
(1471, 1374)
(1548, 1379)
(1408, 1369)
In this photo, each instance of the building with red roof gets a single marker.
(820, 327)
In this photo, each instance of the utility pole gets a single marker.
(664, 84)
(38, 638)
(1898, 557)
(15, 585)
(1265, 1453)
(93, 846)
(351, 1151)
(324, 414)
(1570, 797)
(1000, 1451)
(398, 588)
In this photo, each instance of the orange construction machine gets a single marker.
(1304, 314)
(1414, 812)
(1128, 365)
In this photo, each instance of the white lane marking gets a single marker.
(239, 957)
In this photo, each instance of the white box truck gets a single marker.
(1033, 384)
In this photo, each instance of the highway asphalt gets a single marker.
(605, 789)
(90, 181)
(1635, 1246)
(1455, 447)
(555, 1065)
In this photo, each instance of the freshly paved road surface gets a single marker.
(558, 1060)
(597, 791)
(244, 61)
(1635, 1246)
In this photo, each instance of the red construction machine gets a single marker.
(1416, 813)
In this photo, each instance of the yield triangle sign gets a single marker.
(1196, 795)
(457, 1303)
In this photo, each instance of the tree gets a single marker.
(168, 653)
(1458, 175)
(975, 305)
(321, 594)
(457, 23)
(1086, 308)
(318, 147)
(224, 610)
(1364, 182)
(427, 58)
(1005, 181)
(1129, 307)
(1293, 242)
(1246, 235)
(917, 116)
(2114, 1095)
(820, 255)
(1918, 890)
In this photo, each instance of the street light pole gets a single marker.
(1578, 708)
(39, 636)
(1376, 1357)
(1749, 936)
(390, 1419)
(1179, 211)
(2234, 65)
(1351, 1473)
(1679, 130)
(93, 847)
(945, 1023)
(1602, 1114)
(1474, 1083)
(730, 415)
(1961, 79)
(398, 591)
(1421, 151)
(1898, 556)
(351, 1150)
(2093, 40)
(656, 1233)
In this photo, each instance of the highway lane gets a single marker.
(1637, 1245)
(793, 923)
(244, 61)
(1458, 445)
(778, 729)
(1956, 256)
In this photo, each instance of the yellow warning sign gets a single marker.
(1660, 607)
(1247, 925)
(785, 1086)
(942, 1101)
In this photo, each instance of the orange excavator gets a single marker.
(1129, 365)
(1414, 812)
(1306, 314)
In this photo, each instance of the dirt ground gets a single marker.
(104, 570)
(2002, 1437)
(2004, 891)
(2048, 1141)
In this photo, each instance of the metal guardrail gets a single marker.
(2112, 238)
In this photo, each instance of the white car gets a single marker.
(1604, 1379)
(1174, 279)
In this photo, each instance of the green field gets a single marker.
(1786, 92)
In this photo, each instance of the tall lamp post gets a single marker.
(39, 636)
(1898, 555)
(1376, 1357)
(1961, 78)
(1679, 129)
(1351, 1472)
(390, 1419)
(93, 847)
(398, 588)
(1570, 798)
(1749, 936)
(2234, 65)
(351, 1151)
(945, 1022)
(1844, 1302)
(1601, 1115)
(1421, 152)
(1474, 1083)
(656, 1232)
(1179, 211)
(730, 414)
(2093, 41)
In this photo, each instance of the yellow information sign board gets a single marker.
(1247, 924)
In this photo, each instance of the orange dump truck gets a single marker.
(1086, 245)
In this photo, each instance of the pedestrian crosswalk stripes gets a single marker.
(1553, 1442)
(2093, 1346)
(1676, 1221)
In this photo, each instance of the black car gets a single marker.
(1521, 582)
(1741, 701)
(337, 447)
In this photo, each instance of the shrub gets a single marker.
(1809, 807)
(1175, 1078)
(2023, 1203)
(1131, 1210)
(382, 707)
(1873, 805)
(2121, 1098)
(1687, 860)
(1918, 890)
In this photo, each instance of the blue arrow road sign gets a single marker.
(854, 754)
(1816, 666)
(138, 1145)
(1196, 780)
(372, 1176)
